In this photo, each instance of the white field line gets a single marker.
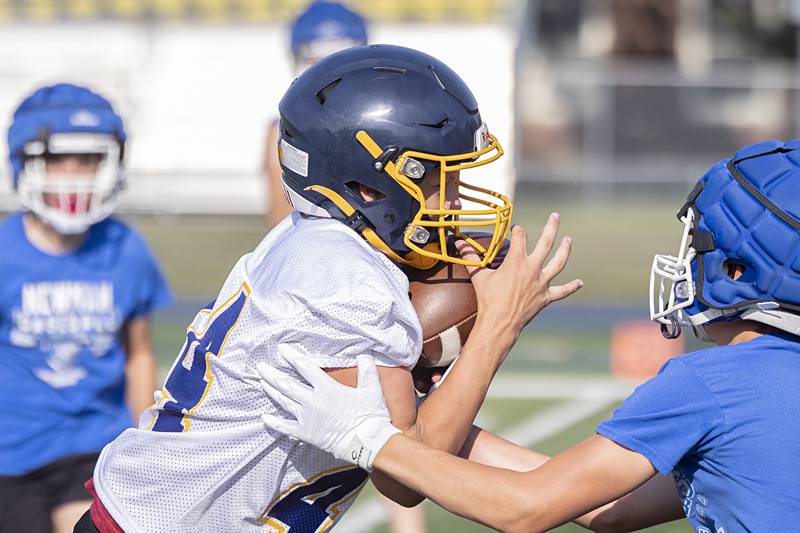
(552, 421)
(558, 387)
(586, 396)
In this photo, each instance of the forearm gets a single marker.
(482, 447)
(655, 502)
(445, 418)
(486, 448)
(474, 491)
(140, 382)
(585, 477)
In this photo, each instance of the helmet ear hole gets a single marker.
(734, 269)
(365, 192)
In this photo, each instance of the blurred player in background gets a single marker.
(76, 357)
(328, 281)
(322, 29)
(713, 437)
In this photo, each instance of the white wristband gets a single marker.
(367, 441)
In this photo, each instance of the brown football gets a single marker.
(446, 305)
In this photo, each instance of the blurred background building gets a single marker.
(622, 96)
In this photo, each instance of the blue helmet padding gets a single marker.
(327, 20)
(53, 109)
(751, 206)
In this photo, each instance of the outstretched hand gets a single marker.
(353, 424)
(510, 296)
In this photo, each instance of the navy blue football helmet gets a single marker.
(744, 212)
(387, 117)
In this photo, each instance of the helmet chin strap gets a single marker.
(702, 333)
(673, 331)
(768, 313)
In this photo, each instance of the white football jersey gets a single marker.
(201, 459)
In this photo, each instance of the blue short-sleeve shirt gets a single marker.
(725, 422)
(62, 357)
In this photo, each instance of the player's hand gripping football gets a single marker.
(351, 423)
(510, 296)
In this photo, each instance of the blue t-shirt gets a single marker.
(62, 360)
(726, 423)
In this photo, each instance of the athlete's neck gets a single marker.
(44, 237)
(734, 332)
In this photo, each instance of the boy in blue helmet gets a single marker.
(374, 193)
(78, 289)
(322, 29)
(713, 437)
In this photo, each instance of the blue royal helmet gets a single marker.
(744, 212)
(388, 117)
(62, 120)
(324, 28)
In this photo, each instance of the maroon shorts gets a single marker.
(97, 519)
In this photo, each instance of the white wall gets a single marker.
(197, 98)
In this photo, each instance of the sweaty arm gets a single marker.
(140, 365)
(655, 502)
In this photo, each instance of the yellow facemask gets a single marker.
(427, 234)
(441, 222)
